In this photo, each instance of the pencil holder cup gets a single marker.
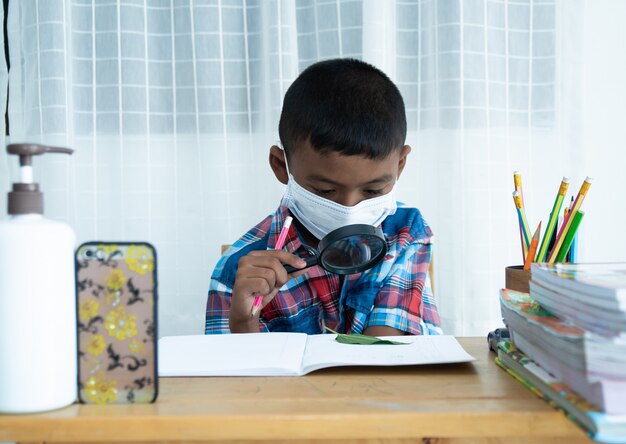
(516, 278)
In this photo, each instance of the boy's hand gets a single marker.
(258, 273)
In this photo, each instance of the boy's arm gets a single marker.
(382, 331)
(404, 303)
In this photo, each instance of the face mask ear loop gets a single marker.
(286, 163)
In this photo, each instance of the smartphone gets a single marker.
(116, 290)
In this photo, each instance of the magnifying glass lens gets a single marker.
(352, 252)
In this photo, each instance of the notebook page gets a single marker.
(251, 354)
(323, 351)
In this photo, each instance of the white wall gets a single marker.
(604, 130)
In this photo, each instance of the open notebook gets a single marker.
(294, 354)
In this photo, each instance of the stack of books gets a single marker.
(592, 296)
(569, 342)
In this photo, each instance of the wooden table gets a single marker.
(477, 403)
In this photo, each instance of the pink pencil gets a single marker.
(279, 245)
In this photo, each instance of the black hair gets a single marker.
(345, 106)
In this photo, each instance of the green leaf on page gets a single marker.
(356, 339)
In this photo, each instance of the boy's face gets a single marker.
(346, 180)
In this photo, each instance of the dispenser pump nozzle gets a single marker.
(26, 197)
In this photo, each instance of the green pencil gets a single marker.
(569, 237)
(554, 217)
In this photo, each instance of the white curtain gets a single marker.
(171, 106)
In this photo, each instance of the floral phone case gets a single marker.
(116, 288)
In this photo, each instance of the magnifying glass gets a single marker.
(347, 250)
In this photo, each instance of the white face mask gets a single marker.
(321, 216)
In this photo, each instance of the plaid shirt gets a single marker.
(395, 293)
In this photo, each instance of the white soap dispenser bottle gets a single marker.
(37, 299)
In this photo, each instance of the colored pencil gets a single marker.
(517, 199)
(567, 256)
(573, 250)
(533, 248)
(517, 183)
(279, 245)
(554, 218)
(567, 222)
(569, 237)
(565, 211)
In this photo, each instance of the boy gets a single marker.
(342, 129)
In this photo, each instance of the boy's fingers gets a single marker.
(265, 267)
(267, 298)
(260, 262)
(275, 262)
(268, 274)
(283, 256)
(262, 273)
(273, 272)
(257, 286)
(296, 273)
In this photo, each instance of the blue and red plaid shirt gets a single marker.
(395, 293)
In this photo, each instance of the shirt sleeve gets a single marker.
(218, 307)
(405, 300)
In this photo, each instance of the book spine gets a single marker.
(524, 382)
(553, 402)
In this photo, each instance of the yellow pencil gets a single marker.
(517, 182)
(584, 188)
(552, 222)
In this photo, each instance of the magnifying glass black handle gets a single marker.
(310, 262)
